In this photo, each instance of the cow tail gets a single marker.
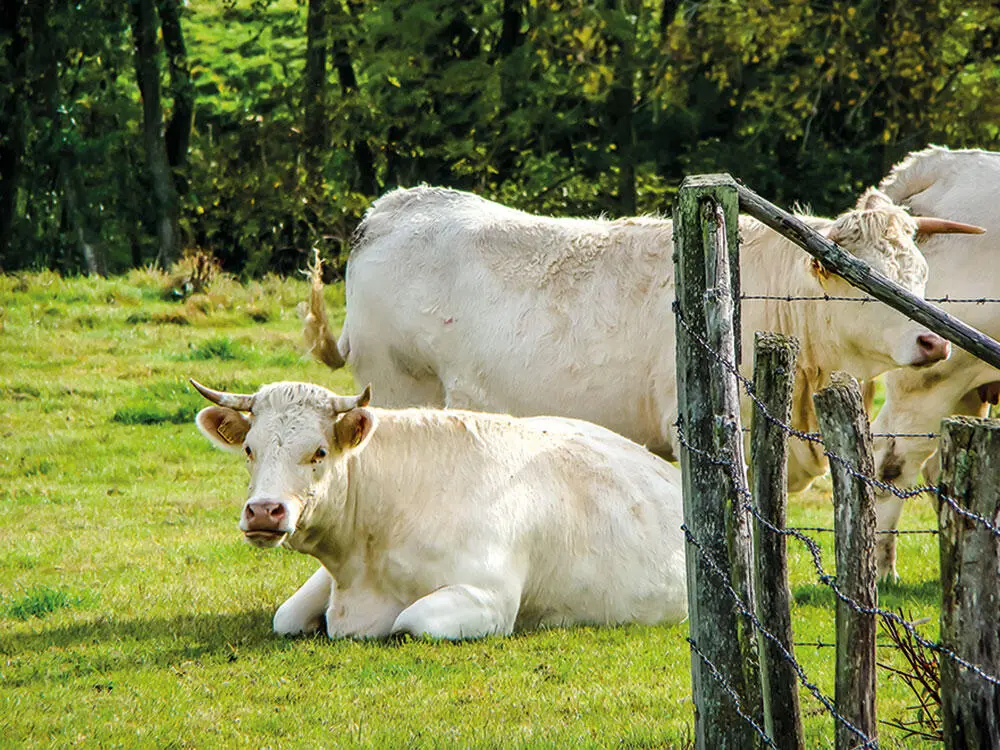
(316, 325)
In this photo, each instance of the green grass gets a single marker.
(133, 615)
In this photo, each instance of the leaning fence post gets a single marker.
(774, 383)
(970, 580)
(706, 268)
(846, 433)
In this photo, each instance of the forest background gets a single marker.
(131, 132)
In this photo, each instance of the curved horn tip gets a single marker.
(199, 387)
(237, 401)
(934, 225)
(366, 396)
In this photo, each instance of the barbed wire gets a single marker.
(714, 566)
(748, 387)
(737, 476)
(818, 437)
(733, 694)
(864, 300)
(896, 532)
(761, 407)
(823, 644)
(817, 557)
(969, 514)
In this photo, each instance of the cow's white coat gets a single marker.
(453, 300)
(457, 524)
(963, 185)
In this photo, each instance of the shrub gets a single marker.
(192, 274)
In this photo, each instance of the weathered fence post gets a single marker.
(846, 433)
(970, 581)
(774, 383)
(706, 266)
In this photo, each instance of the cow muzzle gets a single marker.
(265, 522)
(931, 348)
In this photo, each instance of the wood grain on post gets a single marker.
(864, 277)
(846, 433)
(774, 383)
(970, 581)
(708, 402)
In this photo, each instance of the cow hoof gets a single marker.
(288, 624)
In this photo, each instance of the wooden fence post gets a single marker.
(846, 433)
(970, 581)
(774, 383)
(706, 264)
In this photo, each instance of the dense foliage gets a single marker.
(276, 122)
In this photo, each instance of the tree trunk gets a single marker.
(12, 127)
(620, 108)
(148, 77)
(510, 32)
(93, 259)
(316, 131)
(178, 135)
(364, 158)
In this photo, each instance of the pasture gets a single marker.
(133, 614)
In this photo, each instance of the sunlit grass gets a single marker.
(132, 614)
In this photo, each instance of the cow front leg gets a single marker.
(303, 611)
(458, 612)
(360, 612)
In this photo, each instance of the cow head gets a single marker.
(296, 439)
(882, 234)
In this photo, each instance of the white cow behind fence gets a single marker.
(455, 301)
(964, 185)
(453, 524)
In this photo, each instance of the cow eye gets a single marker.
(248, 451)
(319, 455)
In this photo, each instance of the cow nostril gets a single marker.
(933, 347)
(277, 512)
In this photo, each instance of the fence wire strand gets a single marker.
(734, 696)
(864, 300)
(723, 579)
(737, 477)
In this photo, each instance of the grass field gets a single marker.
(132, 614)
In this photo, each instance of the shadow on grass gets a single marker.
(110, 643)
(891, 595)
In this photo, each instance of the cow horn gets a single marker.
(930, 225)
(237, 401)
(346, 403)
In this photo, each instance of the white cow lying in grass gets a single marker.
(453, 524)
(455, 301)
(964, 185)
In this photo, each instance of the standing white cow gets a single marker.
(453, 300)
(964, 185)
(453, 524)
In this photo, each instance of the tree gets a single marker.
(316, 133)
(178, 133)
(148, 76)
(13, 37)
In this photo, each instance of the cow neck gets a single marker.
(764, 250)
(364, 511)
(332, 546)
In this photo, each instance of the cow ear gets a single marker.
(354, 428)
(226, 428)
